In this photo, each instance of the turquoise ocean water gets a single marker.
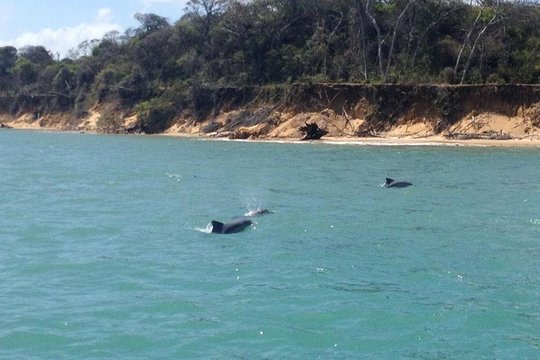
(104, 254)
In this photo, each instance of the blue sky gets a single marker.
(61, 25)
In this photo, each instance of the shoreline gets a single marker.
(389, 141)
(348, 114)
(375, 141)
(439, 141)
(433, 140)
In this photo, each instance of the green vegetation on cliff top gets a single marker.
(161, 69)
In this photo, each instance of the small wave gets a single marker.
(535, 221)
(258, 211)
(206, 230)
(176, 177)
(251, 213)
(368, 287)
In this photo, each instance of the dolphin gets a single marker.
(258, 212)
(395, 183)
(234, 226)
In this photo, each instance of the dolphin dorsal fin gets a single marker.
(217, 227)
(389, 180)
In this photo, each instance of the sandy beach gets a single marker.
(435, 141)
(530, 142)
(413, 133)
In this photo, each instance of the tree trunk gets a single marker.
(480, 34)
(327, 49)
(424, 34)
(379, 38)
(363, 34)
(466, 41)
(358, 36)
(394, 34)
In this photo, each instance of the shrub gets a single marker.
(495, 79)
(156, 115)
(108, 122)
(447, 76)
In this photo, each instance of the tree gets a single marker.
(64, 81)
(133, 87)
(206, 11)
(358, 40)
(151, 23)
(392, 13)
(36, 54)
(207, 8)
(394, 34)
(25, 71)
(8, 58)
(429, 15)
(230, 43)
(493, 16)
(371, 17)
(85, 48)
(156, 54)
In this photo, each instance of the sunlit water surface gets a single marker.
(104, 252)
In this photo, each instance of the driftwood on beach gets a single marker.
(312, 131)
(492, 135)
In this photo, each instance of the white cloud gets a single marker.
(104, 15)
(179, 2)
(65, 38)
(148, 5)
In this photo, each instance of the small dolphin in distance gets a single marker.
(258, 212)
(234, 226)
(395, 183)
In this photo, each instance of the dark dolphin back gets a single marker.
(236, 225)
(217, 227)
(394, 183)
(401, 184)
(231, 227)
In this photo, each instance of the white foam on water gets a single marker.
(206, 230)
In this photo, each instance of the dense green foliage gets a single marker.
(160, 69)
